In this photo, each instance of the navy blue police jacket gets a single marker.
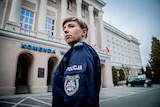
(77, 79)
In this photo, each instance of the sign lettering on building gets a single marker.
(37, 48)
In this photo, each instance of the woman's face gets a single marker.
(73, 32)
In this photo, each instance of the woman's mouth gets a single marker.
(67, 36)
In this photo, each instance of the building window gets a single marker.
(26, 19)
(69, 5)
(83, 11)
(54, 1)
(50, 23)
(113, 40)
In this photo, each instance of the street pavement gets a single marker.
(131, 97)
(109, 97)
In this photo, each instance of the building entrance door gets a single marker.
(22, 73)
(52, 62)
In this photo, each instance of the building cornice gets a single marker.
(32, 39)
(101, 2)
(100, 5)
(120, 33)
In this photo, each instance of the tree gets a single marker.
(122, 75)
(114, 74)
(142, 70)
(155, 59)
(148, 72)
(115, 77)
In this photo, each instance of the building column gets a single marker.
(102, 39)
(15, 9)
(91, 25)
(42, 15)
(63, 15)
(79, 7)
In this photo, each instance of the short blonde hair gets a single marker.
(81, 23)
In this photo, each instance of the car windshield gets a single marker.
(137, 78)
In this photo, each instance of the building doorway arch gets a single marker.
(22, 73)
(52, 62)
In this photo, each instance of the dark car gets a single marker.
(140, 80)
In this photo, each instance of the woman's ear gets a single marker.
(84, 32)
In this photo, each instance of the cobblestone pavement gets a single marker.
(44, 100)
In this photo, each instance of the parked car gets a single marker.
(140, 80)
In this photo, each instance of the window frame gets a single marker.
(52, 30)
(69, 5)
(23, 21)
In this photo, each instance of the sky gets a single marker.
(139, 18)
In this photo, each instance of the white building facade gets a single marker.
(32, 43)
(124, 50)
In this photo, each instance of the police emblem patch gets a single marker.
(71, 84)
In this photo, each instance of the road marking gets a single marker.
(7, 102)
(41, 101)
(19, 102)
(134, 91)
(26, 105)
(116, 97)
(43, 98)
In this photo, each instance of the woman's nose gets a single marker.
(65, 30)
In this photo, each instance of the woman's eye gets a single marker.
(71, 26)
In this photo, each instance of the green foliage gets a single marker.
(122, 75)
(115, 77)
(142, 70)
(148, 72)
(155, 59)
(114, 74)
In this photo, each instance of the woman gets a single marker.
(76, 81)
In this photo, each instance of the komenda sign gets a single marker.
(37, 48)
(46, 50)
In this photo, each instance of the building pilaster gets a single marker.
(63, 15)
(79, 3)
(15, 9)
(91, 25)
(102, 39)
(42, 15)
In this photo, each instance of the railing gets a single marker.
(14, 27)
(28, 32)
